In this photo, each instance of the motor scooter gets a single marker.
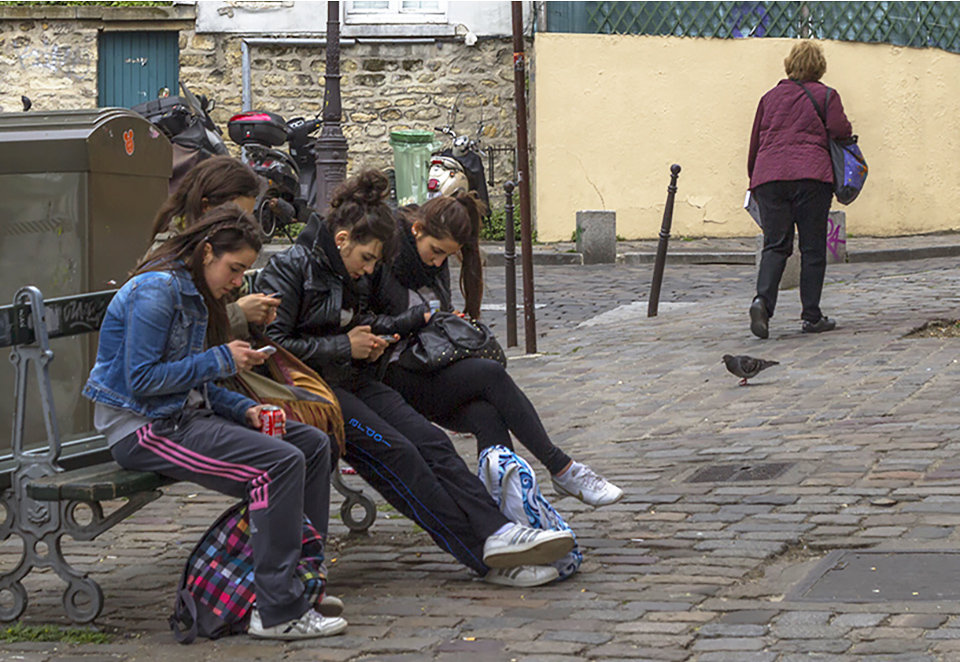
(186, 121)
(291, 193)
(459, 167)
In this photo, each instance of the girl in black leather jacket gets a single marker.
(327, 288)
(473, 395)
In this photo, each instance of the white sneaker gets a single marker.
(308, 626)
(521, 545)
(582, 482)
(523, 576)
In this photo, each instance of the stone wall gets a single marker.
(52, 62)
(384, 87)
(51, 56)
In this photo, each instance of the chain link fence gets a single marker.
(919, 24)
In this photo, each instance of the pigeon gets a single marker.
(746, 367)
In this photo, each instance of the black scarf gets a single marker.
(412, 273)
(326, 247)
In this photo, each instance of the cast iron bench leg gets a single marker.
(353, 498)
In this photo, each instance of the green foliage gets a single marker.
(493, 228)
(20, 632)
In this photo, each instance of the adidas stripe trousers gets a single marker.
(281, 479)
(414, 465)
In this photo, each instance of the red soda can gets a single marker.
(271, 420)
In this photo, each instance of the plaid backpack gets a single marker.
(216, 591)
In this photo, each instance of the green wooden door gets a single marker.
(133, 66)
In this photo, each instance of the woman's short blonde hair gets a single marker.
(805, 62)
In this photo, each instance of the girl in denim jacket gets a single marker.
(160, 410)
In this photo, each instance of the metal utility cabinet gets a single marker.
(78, 193)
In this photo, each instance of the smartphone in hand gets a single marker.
(269, 350)
(388, 339)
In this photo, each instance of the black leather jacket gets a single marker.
(308, 320)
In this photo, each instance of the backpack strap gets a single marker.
(185, 615)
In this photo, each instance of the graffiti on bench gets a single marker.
(65, 316)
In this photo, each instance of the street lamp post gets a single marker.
(331, 145)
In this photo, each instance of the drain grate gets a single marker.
(736, 473)
(876, 576)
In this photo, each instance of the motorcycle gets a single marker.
(291, 193)
(458, 167)
(186, 122)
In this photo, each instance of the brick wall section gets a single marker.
(384, 86)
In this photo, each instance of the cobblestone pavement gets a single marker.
(860, 424)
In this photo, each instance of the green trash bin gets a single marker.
(411, 161)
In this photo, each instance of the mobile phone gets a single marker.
(388, 339)
(274, 295)
(267, 349)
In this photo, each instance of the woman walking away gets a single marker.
(326, 290)
(160, 410)
(791, 178)
(473, 395)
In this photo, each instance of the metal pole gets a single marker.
(523, 179)
(510, 264)
(662, 245)
(246, 94)
(331, 145)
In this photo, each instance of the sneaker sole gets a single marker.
(499, 580)
(334, 629)
(539, 552)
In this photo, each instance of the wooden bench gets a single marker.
(42, 489)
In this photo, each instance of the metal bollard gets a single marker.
(510, 265)
(662, 244)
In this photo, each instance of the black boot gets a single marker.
(759, 318)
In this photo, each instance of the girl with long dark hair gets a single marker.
(475, 396)
(160, 409)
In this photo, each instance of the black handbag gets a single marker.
(448, 338)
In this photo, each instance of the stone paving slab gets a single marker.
(678, 570)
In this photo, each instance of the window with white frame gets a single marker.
(395, 11)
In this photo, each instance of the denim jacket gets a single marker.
(151, 351)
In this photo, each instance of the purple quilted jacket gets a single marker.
(788, 141)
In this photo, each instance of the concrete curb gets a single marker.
(495, 258)
(689, 257)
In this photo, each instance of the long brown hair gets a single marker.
(358, 207)
(227, 229)
(208, 184)
(458, 217)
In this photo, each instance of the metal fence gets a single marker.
(919, 24)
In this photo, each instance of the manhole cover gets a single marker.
(735, 473)
(874, 576)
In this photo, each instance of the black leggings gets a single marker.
(478, 397)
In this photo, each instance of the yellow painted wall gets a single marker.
(612, 113)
